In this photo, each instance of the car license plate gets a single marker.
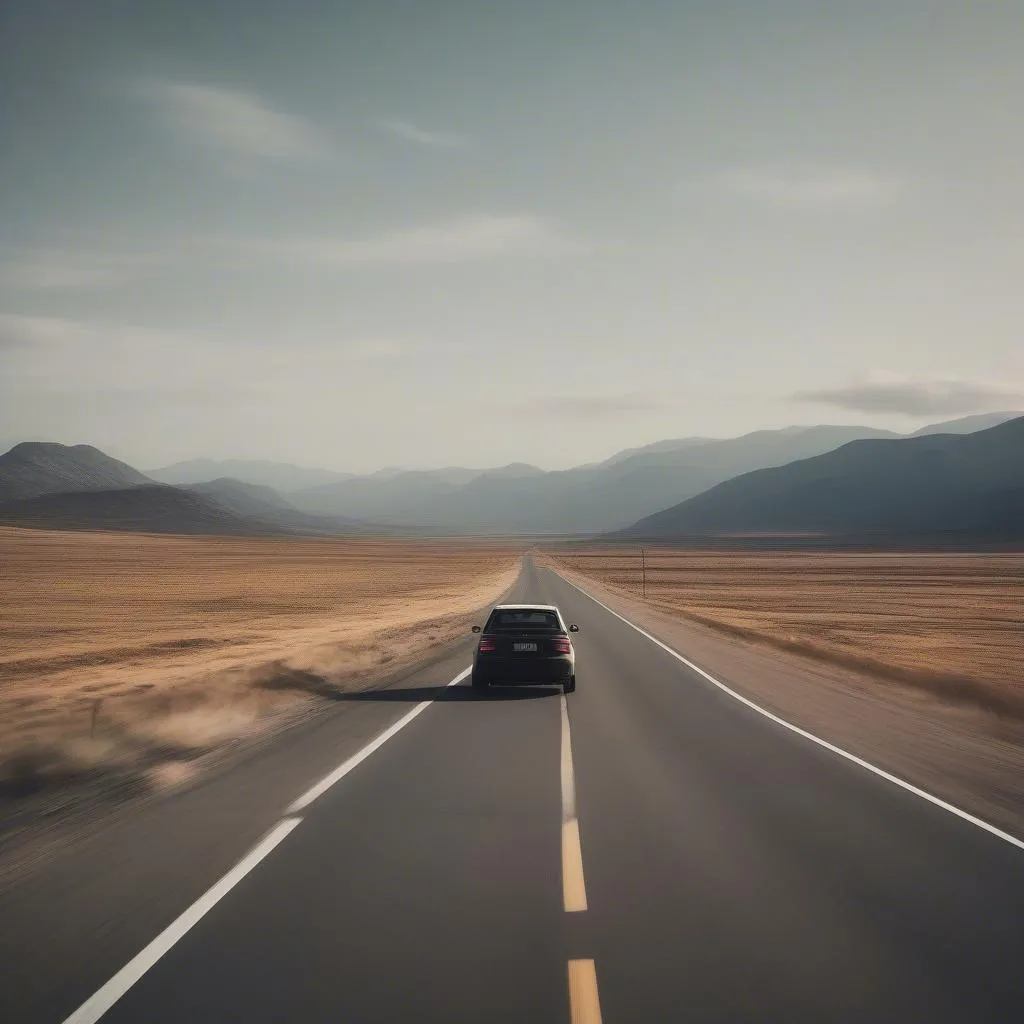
(524, 647)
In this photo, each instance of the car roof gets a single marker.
(532, 607)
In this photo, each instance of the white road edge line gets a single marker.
(343, 769)
(568, 777)
(574, 891)
(104, 998)
(896, 781)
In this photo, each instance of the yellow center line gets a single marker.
(584, 1005)
(574, 892)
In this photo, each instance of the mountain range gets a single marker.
(281, 476)
(75, 486)
(923, 486)
(593, 498)
(661, 489)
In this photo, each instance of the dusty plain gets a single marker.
(127, 660)
(912, 660)
(950, 623)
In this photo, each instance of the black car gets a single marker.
(525, 643)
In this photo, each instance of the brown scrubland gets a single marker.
(125, 657)
(950, 623)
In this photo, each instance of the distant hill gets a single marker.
(657, 447)
(33, 468)
(513, 471)
(456, 474)
(720, 459)
(281, 476)
(967, 424)
(387, 497)
(968, 484)
(446, 474)
(263, 505)
(153, 508)
(243, 498)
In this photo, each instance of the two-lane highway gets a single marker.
(660, 852)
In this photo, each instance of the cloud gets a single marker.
(71, 269)
(808, 188)
(57, 355)
(236, 124)
(47, 334)
(19, 333)
(463, 239)
(406, 132)
(588, 407)
(379, 349)
(93, 267)
(29, 332)
(917, 397)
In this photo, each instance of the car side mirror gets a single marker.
(574, 628)
(476, 629)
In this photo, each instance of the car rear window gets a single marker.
(517, 618)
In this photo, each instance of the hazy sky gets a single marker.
(427, 233)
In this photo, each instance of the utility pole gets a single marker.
(643, 572)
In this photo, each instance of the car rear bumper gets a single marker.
(497, 669)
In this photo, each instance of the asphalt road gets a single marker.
(730, 869)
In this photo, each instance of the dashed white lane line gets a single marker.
(343, 769)
(574, 892)
(880, 772)
(584, 1005)
(104, 998)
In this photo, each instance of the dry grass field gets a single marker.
(126, 656)
(951, 623)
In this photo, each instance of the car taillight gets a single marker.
(487, 643)
(562, 645)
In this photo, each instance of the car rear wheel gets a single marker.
(570, 684)
(478, 683)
